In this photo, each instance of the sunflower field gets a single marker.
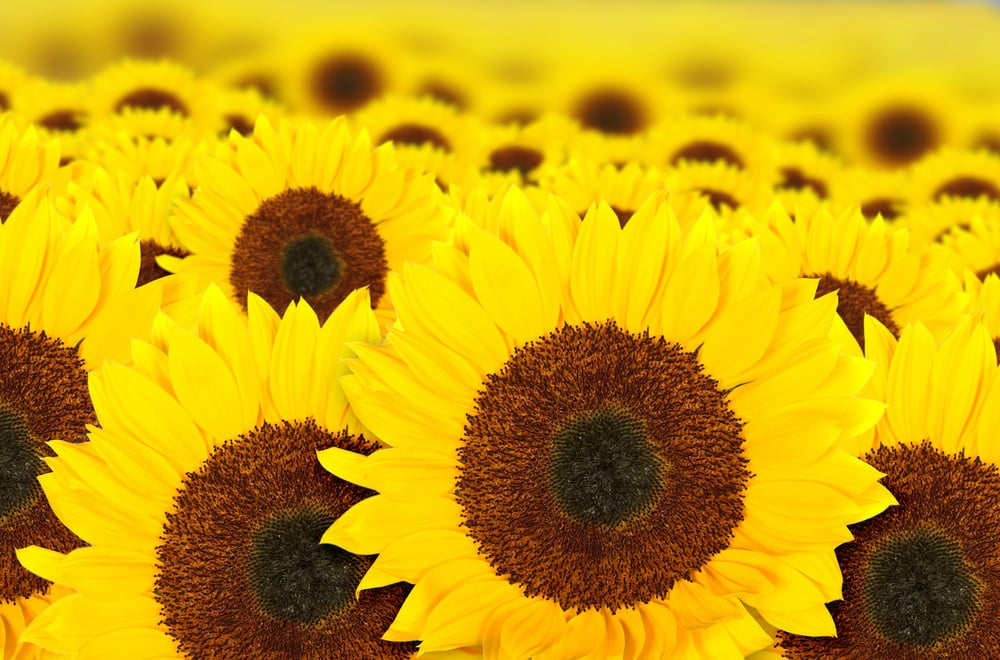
(526, 331)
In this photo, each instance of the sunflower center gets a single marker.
(8, 203)
(922, 579)
(67, 121)
(704, 151)
(149, 250)
(624, 215)
(4, 102)
(818, 135)
(919, 589)
(241, 571)
(309, 244)
(416, 135)
(309, 266)
(43, 396)
(522, 159)
(603, 468)
(295, 577)
(793, 178)
(899, 136)
(19, 465)
(239, 123)
(719, 199)
(345, 82)
(442, 91)
(886, 207)
(563, 467)
(967, 186)
(853, 302)
(611, 111)
(150, 98)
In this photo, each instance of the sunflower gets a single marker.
(876, 192)
(299, 211)
(519, 155)
(239, 109)
(954, 173)
(58, 110)
(697, 186)
(204, 513)
(973, 245)
(928, 224)
(28, 161)
(66, 305)
(13, 80)
(583, 184)
(895, 121)
(713, 139)
(155, 86)
(556, 396)
(923, 578)
(870, 264)
(806, 174)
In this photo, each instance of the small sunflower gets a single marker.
(923, 578)
(239, 109)
(973, 246)
(584, 184)
(806, 175)
(872, 266)
(713, 139)
(954, 173)
(564, 392)
(204, 514)
(928, 224)
(27, 161)
(726, 190)
(875, 192)
(519, 155)
(66, 305)
(155, 86)
(299, 211)
(58, 110)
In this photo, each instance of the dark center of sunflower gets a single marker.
(517, 116)
(309, 266)
(922, 579)
(886, 207)
(624, 215)
(43, 396)
(719, 199)
(4, 102)
(20, 465)
(967, 186)
(149, 250)
(611, 111)
(986, 272)
(8, 203)
(603, 469)
(150, 98)
(67, 121)
(416, 135)
(152, 35)
(442, 91)
(919, 589)
(989, 142)
(853, 302)
(704, 75)
(265, 85)
(241, 571)
(563, 480)
(704, 151)
(238, 123)
(511, 158)
(792, 178)
(295, 577)
(898, 136)
(345, 82)
(309, 244)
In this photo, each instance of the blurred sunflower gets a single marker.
(155, 86)
(710, 140)
(929, 223)
(875, 192)
(423, 123)
(973, 246)
(239, 109)
(204, 514)
(297, 211)
(533, 389)
(895, 121)
(697, 186)
(872, 266)
(67, 305)
(58, 110)
(923, 578)
(617, 98)
(519, 155)
(13, 80)
(954, 173)
(27, 162)
(806, 174)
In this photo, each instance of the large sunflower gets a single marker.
(66, 305)
(203, 502)
(606, 442)
(922, 580)
(299, 211)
